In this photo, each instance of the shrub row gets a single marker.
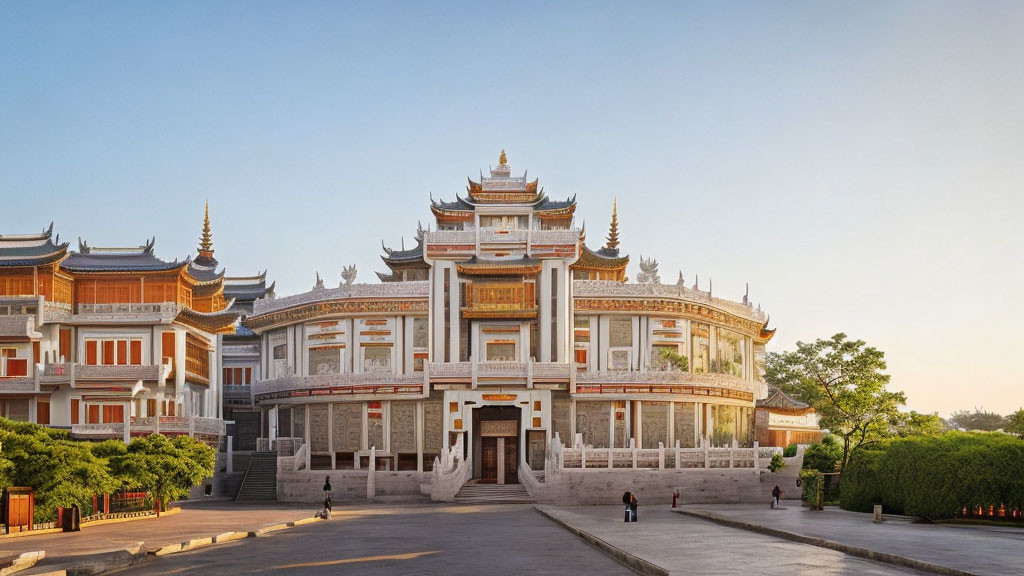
(933, 477)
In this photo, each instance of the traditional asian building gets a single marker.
(499, 331)
(112, 342)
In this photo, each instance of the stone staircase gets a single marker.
(260, 482)
(475, 493)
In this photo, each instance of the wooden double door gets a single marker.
(499, 459)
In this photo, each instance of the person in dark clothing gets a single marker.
(627, 499)
(776, 494)
(632, 507)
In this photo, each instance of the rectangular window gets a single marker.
(64, 346)
(247, 376)
(229, 379)
(620, 332)
(43, 413)
(730, 353)
(151, 407)
(167, 345)
(74, 411)
(91, 352)
(122, 352)
(108, 352)
(92, 414)
(419, 333)
(700, 353)
(136, 353)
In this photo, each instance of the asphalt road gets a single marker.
(448, 540)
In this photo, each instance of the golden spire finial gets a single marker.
(613, 230)
(502, 160)
(206, 240)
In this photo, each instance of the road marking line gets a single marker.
(408, 556)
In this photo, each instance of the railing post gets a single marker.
(732, 453)
(632, 445)
(371, 488)
(677, 454)
(757, 457)
(707, 456)
(611, 457)
(661, 456)
(583, 457)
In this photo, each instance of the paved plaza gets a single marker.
(689, 546)
(983, 550)
(524, 539)
(487, 540)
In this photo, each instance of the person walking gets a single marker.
(627, 499)
(776, 495)
(632, 507)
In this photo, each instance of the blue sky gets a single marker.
(859, 163)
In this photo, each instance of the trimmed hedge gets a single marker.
(933, 477)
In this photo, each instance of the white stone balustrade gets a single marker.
(411, 289)
(610, 289)
(289, 383)
(665, 377)
(582, 457)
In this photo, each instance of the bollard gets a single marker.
(878, 514)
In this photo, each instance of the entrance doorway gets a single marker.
(496, 432)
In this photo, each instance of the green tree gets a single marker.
(843, 381)
(164, 467)
(675, 359)
(823, 456)
(918, 424)
(1016, 422)
(979, 420)
(62, 472)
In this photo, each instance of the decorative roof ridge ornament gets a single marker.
(746, 296)
(348, 274)
(319, 282)
(83, 246)
(681, 282)
(502, 158)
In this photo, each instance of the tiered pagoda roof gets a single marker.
(246, 289)
(133, 259)
(31, 249)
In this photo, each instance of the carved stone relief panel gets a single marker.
(299, 419)
(433, 426)
(685, 425)
(403, 426)
(318, 428)
(560, 421)
(654, 417)
(375, 426)
(348, 427)
(593, 421)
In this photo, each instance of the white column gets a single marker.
(437, 316)
(454, 312)
(544, 314)
(562, 326)
(330, 434)
(309, 447)
(602, 352)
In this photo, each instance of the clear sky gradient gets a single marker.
(860, 164)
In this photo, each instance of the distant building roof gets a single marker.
(134, 259)
(31, 249)
(779, 401)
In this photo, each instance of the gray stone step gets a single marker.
(493, 494)
(260, 481)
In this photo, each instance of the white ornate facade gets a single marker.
(497, 331)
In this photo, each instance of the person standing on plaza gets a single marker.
(776, 495)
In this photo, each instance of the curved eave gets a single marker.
(171, 267)
(222, 321)
(42, 260)
(445, 213)
(591, 259)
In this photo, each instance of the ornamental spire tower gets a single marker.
(613, 230)
(206, 240)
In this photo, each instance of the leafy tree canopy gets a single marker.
(167, 468)
(917, 424)
(979, 420)
(843, 380)
(1016, 424)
